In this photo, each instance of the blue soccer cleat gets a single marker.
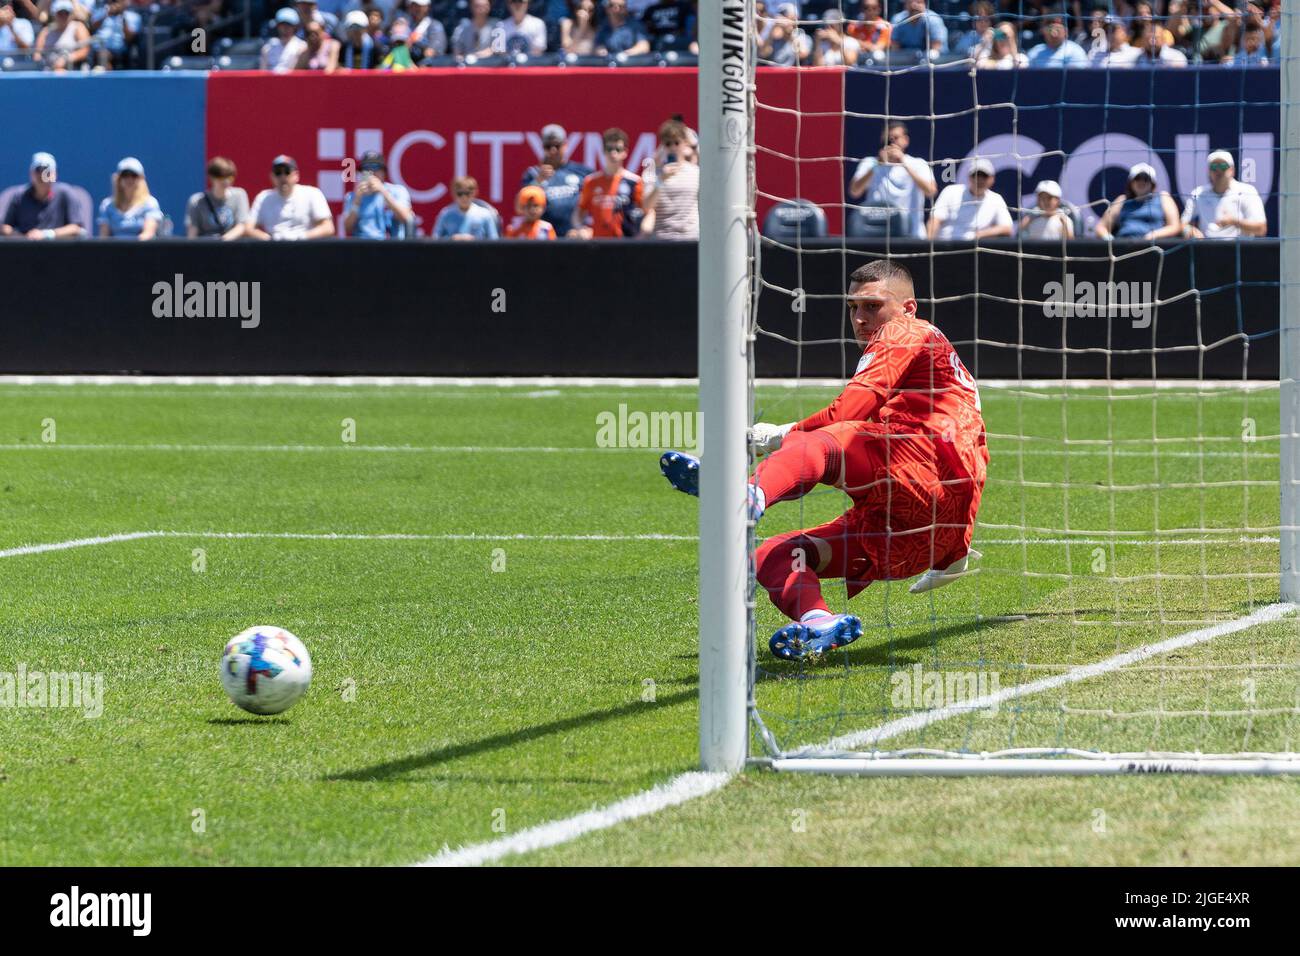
(682, 471)
(811, 639)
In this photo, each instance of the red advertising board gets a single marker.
(434, 125)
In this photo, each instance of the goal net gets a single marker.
(1128, 611)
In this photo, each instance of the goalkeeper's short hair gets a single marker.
(883, 270)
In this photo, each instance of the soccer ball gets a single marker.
(265, 669)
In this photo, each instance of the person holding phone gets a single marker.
(376, 209)
(672, 187)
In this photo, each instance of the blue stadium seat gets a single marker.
(242, 61)
(176, 63)
(676, 58)
(796, 219)
(875, 222)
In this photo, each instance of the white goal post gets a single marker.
(729, 254)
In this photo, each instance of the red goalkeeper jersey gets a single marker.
(910, 377)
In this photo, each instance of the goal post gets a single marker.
(1289, 312)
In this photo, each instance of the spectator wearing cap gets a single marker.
(620, 34)
(1057, 49)
(321, 54)
(917, 28)
(971, 211)
(672, 188)
(289, 210)
(428, 35)
(520, 32)
(473, 35)
(358, 50)
(560, 178)
(377, 209)
(609, 205)
(16, 33)
(1143, 212)
(281, 52)
(529, 224)
(45, 208)
(871, 30)
(1226, 208)
(1003, 54)
(221, 210)
(131, 212)
(64, 43)
(1154, 50)
(784, 43)
(465, 218)
(578, 29)
(831, 46)
(895, 180)
(115, 27)
(670, 24)
(399, 56)
(1048, 219)
(310, 12)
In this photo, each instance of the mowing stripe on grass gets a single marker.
(895, 728)
(676, 791)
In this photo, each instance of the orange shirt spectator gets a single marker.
(529, 224)
(609, 205)
(870, 29)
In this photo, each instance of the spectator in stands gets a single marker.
(529, 224)
(521, 32)
(578, 29)
(977, 42)
(473, 35)
(1048, 219)
(221, 210)
(131, 212)
(610, 202)
(1144, 20)
(872, 31)
(465, 218)
(64, 43)
(831, 46)
(1143, 212)
(620, 34)
(16, 33)
(321, 52)
(917, 28)
(309, 12)
(428, 35)
(45, 209)
(1225, 209)
(377, 209)
(1181, 27)
(1115, 51)
(1253, 50)
(784, 43)
(358, 51)
(1218, 30)
(560, 178)
(973, 211)
(115, 28)
(895, 180)
(1092, 32)
(1154, 51)
(1003, 55)
(672, 188)
(671, 25)
(399, 56)
(289, 210)
(281, 52)
(1057, 49)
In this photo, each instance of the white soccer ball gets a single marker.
(265, 669)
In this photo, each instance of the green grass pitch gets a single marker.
(486, 668)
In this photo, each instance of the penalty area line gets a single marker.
(678, 790)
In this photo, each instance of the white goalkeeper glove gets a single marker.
(766, 437)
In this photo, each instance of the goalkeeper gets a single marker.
(905, 440)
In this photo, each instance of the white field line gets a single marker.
(676, 791)
(894, 728)
(424, 381)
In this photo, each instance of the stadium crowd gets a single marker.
(561, 198)
(329, 35)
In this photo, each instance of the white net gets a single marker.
(1127, 600)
